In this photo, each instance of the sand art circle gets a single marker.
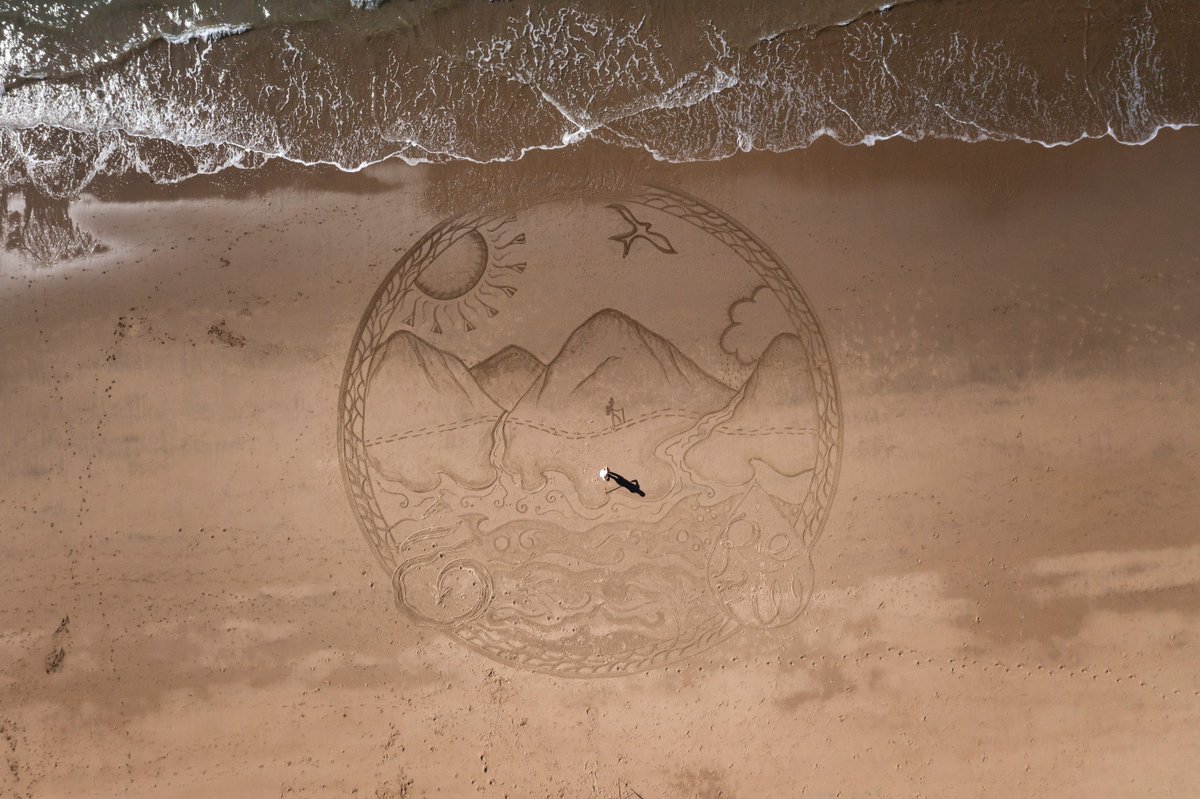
(508, 361)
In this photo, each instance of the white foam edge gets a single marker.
(584, 132)
(205, 33)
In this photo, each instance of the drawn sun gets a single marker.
(463, 284)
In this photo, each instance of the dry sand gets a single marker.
(1005, 595)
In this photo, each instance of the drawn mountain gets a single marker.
(427, 416)
(507, 375)
(610, 356)
(772, 421)
(611, 395)
(781, 384)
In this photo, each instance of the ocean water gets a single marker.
(172, 90)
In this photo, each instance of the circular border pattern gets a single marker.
(811, 516)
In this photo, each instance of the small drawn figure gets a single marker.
(631, 486)
(615, 414)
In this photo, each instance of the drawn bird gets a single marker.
(639, 230)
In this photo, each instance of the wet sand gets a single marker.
(1004, 598)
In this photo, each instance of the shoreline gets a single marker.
(1006, 571)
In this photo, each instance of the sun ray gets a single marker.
(461, 309)
(489, 310)
(456, 288)
(508, 290)
(517, 239)
(479, 306)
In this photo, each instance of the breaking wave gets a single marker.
(111, 88)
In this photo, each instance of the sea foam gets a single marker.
(493, 83)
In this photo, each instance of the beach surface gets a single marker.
(1003, 595)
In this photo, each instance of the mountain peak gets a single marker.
(782, 378)
(409, 365)
(770, 435)
(507, 374)
(609, 315)
(785, 348)
(610, 319)
(510, 354)
(406, 338)
(426, 416)
(613, 360)
(617, 334)
(406, 341)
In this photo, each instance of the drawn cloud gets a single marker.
(753, 322)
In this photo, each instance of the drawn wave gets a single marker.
(113, 88)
